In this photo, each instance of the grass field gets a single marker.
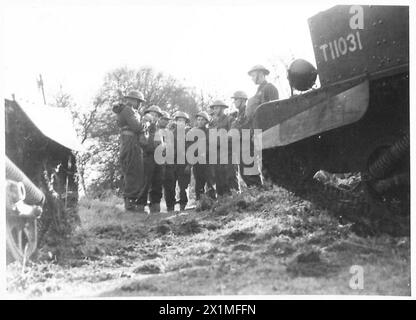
(266, 242)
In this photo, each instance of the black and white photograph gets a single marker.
(206, 149)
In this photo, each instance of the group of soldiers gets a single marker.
(145, 180)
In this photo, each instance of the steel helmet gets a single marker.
(135, 95)
(239, 95)
(181, 114)
(203, 114)
(218, 103)
(154, 108)
(259, 67)
(165, 115)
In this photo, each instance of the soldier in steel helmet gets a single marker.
(177, 172)
(164, 120)
(163, 126)
(153, 173)
(131, 153)
(223, 180)
(265, 92)
(241, 122)
(204, 178)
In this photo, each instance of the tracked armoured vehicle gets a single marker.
(42, 189)
(355, 125)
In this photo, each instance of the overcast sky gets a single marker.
(207, 45)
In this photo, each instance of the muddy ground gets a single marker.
(267, 242)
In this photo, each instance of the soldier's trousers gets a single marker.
(131, 162)
(250, 180)
(226, 176)
(232, 174)
(153, 179)
(221, 178)
(176, 173)
(203, 177)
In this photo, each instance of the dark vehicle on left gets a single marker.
(41, 183)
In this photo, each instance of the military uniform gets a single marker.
(242, 123)
(265, 92)
(225, 174)
(176, 173)
(162, 128)
(131, 153)
(203, 172)
(153, 172)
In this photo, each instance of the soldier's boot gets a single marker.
(253, 180)
(155, 208)
(211, 193)
(233, 178)
(130, 204)
(183, 181)
(198, 172)
(210, 181)
(170, 206)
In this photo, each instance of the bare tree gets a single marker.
(99, 125)
(278, 73)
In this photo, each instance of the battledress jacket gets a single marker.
(205, 140)
(131, 153)
(174, 130)
(265, 92)
(222, 122)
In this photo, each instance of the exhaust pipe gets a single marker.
(31, 194)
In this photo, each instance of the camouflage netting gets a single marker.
(51, 167)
